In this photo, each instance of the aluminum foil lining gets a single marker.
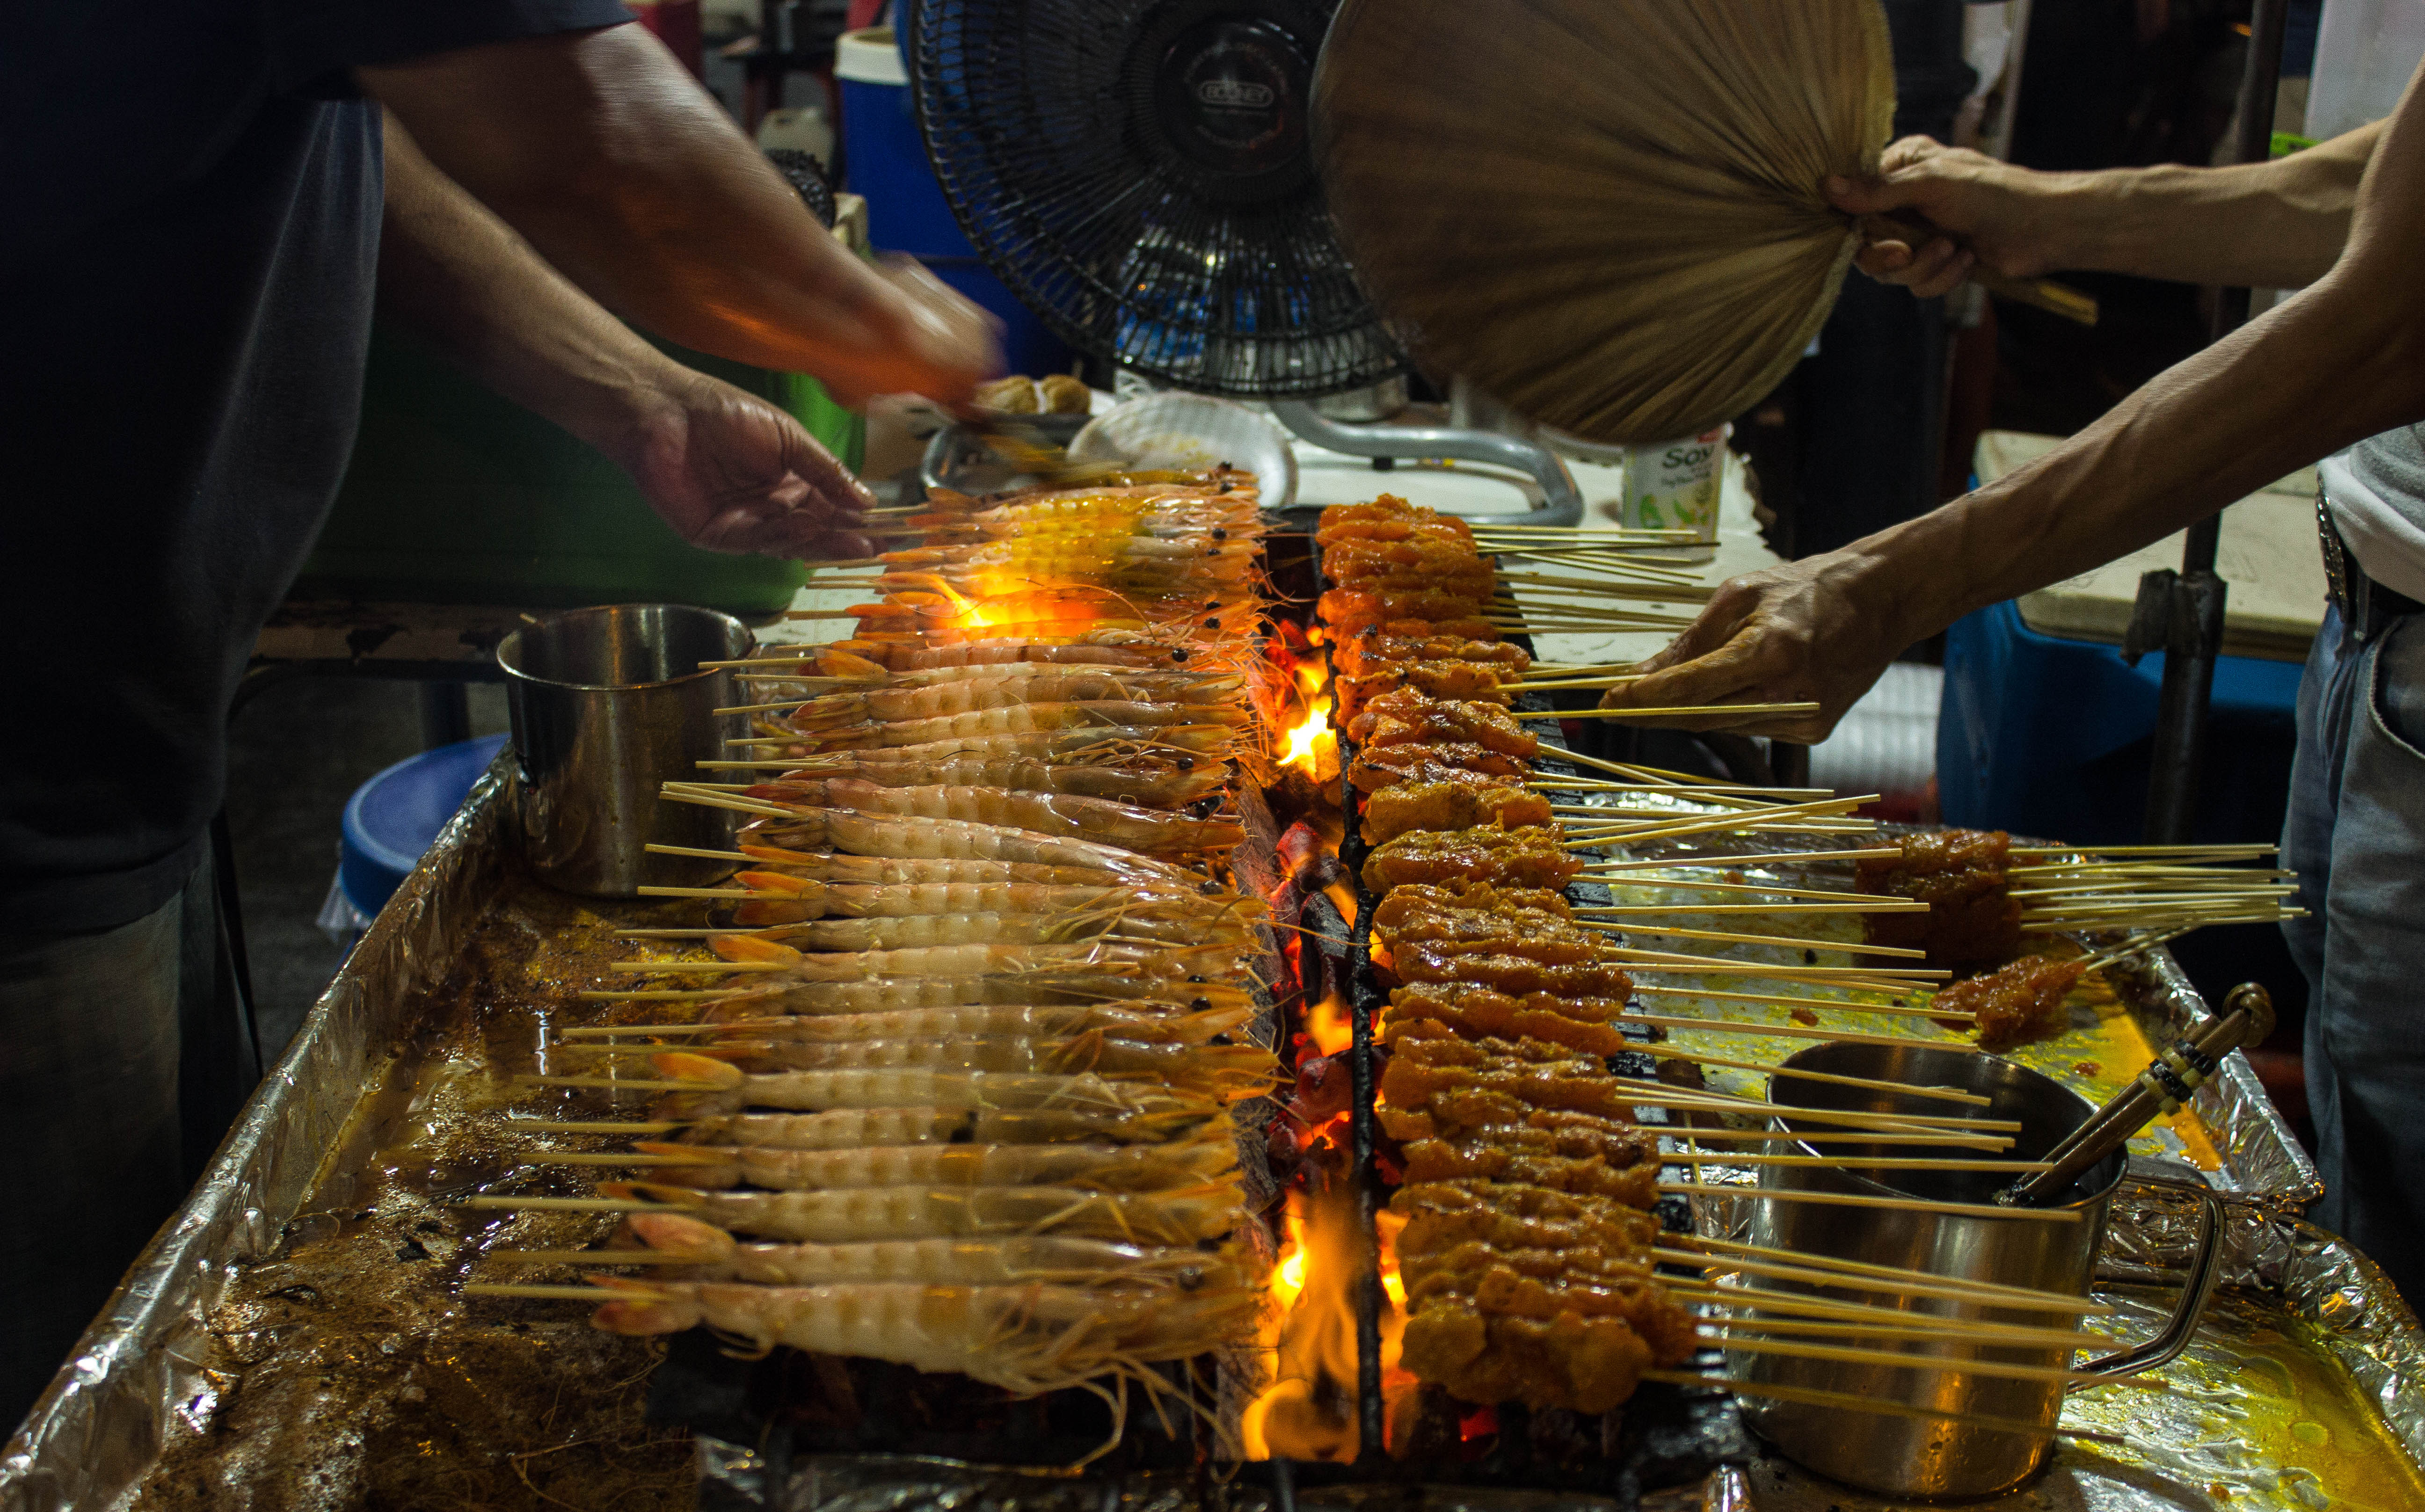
(136, 1376)
(2282, 1270)
(136, 1372)
(733, 1478)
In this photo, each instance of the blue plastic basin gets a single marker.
(392, 819)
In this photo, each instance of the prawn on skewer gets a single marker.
(723, 1088)
(1173, 922)
(1147, 1116)
(1080, 986)
(967, 695)
(857, 1215)
(1146, 780)
(1019, 718)
(982, 1019)
(1061, 814)
(1057, 1261)
(1023, 1339)
(1132, 1167)
(824, 900)
(1183, 1066)
(939, 839)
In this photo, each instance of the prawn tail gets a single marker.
(645, 1307)
(673, 1234)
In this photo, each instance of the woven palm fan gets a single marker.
(1604, 212)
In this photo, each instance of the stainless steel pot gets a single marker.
(1939, 1457)
(608, 703)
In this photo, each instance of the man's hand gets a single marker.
(1816, 631)
(731, 472)
(1990, 211)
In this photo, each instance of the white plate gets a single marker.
(1181, 430)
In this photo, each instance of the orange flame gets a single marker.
(1327, 1024)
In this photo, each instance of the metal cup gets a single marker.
(608, 703)
(1938, 1456)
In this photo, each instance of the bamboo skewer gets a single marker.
(655, 849)
(599, 1257)
(1730, 937)
(1664, 710)
(562, 1294)
(1769, 1301)
(620, 1084)
(1847, 1200)
(1995, 1368)
(1695, 884)
(1771, 857)
(1866, 906)
(1917, 1010)
(1819, 1136)
(570, 1204)
(1709, 1101)
(607, 1126)
(1916, 1163)
(1945, 1094)
(663, 996)
(1996, 1294)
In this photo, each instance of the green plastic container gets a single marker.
(454, 495)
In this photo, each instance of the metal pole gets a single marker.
(2193, 621)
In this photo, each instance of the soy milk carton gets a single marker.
(1674, 485)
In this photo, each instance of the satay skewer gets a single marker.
(1629, 929)
(1850, 1199)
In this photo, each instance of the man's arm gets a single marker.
(728, 470)
(621, 171)
(2266, 225)
(2342, 360)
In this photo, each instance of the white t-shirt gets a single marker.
(2377, 492)
(2365, 51)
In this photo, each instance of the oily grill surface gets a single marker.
(343, 1369)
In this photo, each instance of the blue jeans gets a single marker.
(121, 1065)
(2355, 834)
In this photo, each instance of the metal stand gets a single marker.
(2189, 604)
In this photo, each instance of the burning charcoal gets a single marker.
(1283, 1148)
(1306, 860)
(1563, 1440)
(1325, 1090)
(1423, 1426)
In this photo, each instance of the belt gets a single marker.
(2367, 606)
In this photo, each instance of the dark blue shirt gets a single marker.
(189, 217)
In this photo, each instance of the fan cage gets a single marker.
(1026, 108)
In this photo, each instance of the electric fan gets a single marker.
(1140, 173)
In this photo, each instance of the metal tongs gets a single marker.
(2168, 1082)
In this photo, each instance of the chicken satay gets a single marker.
(1353, 654)
(1503, 858)
(2016, 1005)
(1389, 518)
(1348, 610)
(1481, 1013)
(1415, 897)
(1450, 805)
(1972, 917)
(1413, 1085)
(1378, 767)
(1505, 972)
(1407, 717)
(1478, 680)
